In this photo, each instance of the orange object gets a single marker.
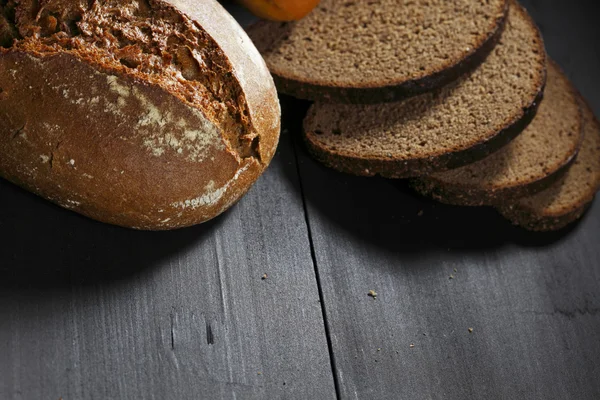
(280, 10)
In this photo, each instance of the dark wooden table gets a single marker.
(91, 311)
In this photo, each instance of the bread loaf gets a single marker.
(150, 114)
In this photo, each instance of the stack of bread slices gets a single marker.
(459, 97)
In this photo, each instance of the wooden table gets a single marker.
(91, 311)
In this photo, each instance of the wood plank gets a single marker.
(91, 311)
(532, 300)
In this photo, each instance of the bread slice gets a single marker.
(448, 128)
(152, 114)
(376, 51)
(566, 200)
(528, 164)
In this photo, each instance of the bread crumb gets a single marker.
(451, 276)
(265, 276)
(454, 269)
(372, 294)
(259, 373)
(470, 330)
(412, 345)
(379, 349)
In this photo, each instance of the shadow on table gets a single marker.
(389, 214)
(43, 245)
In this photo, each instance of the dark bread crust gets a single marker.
(473, 196)
(385, 91)
(116, 147)
(543, 223)
(397, 169)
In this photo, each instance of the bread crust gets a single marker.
(543, 223)
(112, 146)
(388, 91)
(473, 196)
(248, 66)
(399, 169)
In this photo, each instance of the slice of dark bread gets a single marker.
(528, 164)
(448, 128)
(376, 51)
(566, 200)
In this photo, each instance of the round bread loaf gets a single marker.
(151, 114)
(377, 51)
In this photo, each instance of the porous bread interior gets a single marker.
(146, 39)
(453, 118)
(578, 186)
(542, 148)
(357, 43)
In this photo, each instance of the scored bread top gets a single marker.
(351, 51)
(527, 164)
(447, 128)
(564, 200)
(160, 42)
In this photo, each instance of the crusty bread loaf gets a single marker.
(566, 200)
(453, 126)
(152, 114)
(528, 164)
(375, 51)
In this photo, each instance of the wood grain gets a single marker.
(531, 300)
(91, 311)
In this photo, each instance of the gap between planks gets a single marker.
(332, 362)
